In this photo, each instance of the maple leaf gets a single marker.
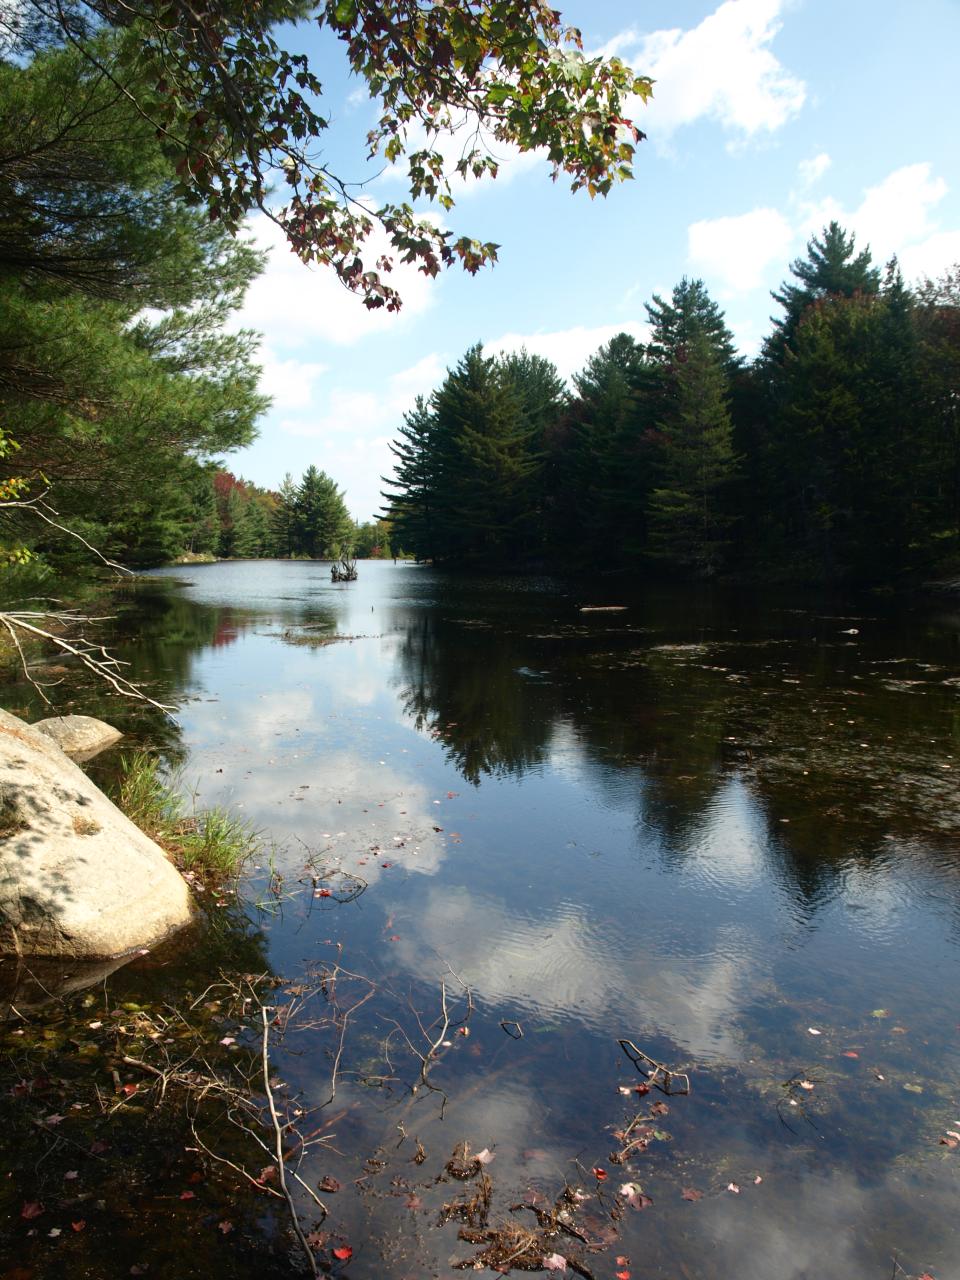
(691, 1193)
(187, 1195)
(732, 1186)
(484, 1156)
(31, 1209)
(225, 1227)
(344, 1253)
(78, 1226)
(599, 1173)
(850, 1053)
(555, 1262)
(622, 1275)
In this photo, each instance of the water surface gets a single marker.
(725, 827)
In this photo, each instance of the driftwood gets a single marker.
(344, 569)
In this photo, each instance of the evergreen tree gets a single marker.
(688, 523)
(283, 523)
(324, 527)
(689, 313)
(831, 269)
(412, 494)
(598, 464)
(486, 459)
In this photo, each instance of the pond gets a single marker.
(723, 827)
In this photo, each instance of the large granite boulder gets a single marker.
(77, 878)
(81, 737)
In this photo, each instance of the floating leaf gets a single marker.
(344, 1253)
(78, 1226)
(485, 1156)
(732, 1186)
(814, 1032)
(599, 1173)
(555, 1262)
(31, 1209)
(850, 1053)
(691, 1193)
(328, 1183)
(187, 1195)
(805, 1084)
(913, 1088)
(880, 1013)
(633, 1195)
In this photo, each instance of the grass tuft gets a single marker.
(212, 842)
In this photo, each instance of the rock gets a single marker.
(81, 737)
(77, 878)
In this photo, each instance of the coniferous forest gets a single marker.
(834, 456)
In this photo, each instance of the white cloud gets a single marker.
(722, 70)
(296, 305)
(290, 384)
(569, 349)
(735, 253)
(895, 216)
(897, 212)
(812, 170)
(359, 426)
(932, 257)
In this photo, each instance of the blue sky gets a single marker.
(769, 118)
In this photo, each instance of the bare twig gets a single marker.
(278, 1133)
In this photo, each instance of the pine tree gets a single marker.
(689, 312)
(831, 269)
(324, 526)
(486, 464)
(412, 493)
(599, 459)
(689, 527)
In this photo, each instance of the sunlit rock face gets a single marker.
(80, 737)
(77, 878)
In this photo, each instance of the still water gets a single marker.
(725, 828)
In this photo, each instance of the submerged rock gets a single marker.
(77, 878)
(81, 737)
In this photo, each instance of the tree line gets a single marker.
(835, 455)
(235, 519)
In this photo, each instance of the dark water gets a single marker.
(725, 828)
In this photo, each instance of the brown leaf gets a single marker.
(329, 1184)
(691, 1193)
